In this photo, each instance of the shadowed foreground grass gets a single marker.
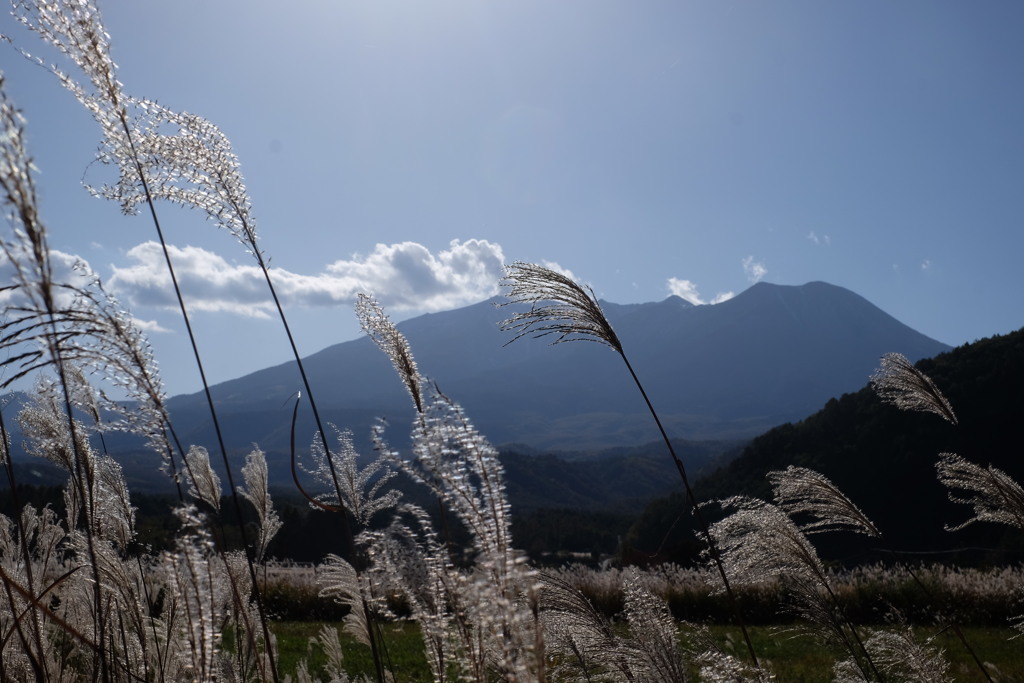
(793, 658)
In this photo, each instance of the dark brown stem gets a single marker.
(695, 509)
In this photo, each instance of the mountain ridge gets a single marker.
(772, 353)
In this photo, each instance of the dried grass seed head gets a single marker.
(898, 382)
(993, 494)
(364, 491)
(204, 484)
(758, 540)
(558, 306)
(799, 490)
(378, 327)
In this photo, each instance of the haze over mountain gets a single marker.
(770, 355)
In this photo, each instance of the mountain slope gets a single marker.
(771, 354)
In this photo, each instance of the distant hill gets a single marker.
(771, 354)
(884, 458)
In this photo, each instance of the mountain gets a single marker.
(884, 460)
(771, 354)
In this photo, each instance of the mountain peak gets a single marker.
(678, 301)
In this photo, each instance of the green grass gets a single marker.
(793, 658)
(801, 659)
(403, 642)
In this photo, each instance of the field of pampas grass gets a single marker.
(82, 601)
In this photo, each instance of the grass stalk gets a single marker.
(561, 307)
(695, 510)
(209, 398)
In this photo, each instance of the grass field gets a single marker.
(793, 658)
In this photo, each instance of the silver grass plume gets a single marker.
(558, 306)
(653, 645)
(98, 491)
(119, 352)
(76, 30)
(197, 594)
(378, 327)
(114, 512)
(802, 491)
(329, 643)
(44, 421)
(339, 580)
(898, 382)
(203, 482)
(74, 27)
(257, 492)
(993, 494)
(251, 656)
(758, 540)
(188, 161)
(901, 657)
(83, 395)
(414, 563)
(582, 640)
(95, 335)
(96, 497)
(718, 666)
(34, 552)
(721, 667)
(463, 469)
(85, 324)
(37, 311)
(363, 491)
(160, 153)
(450, 455)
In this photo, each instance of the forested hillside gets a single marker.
(884, 459)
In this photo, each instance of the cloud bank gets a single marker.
(686, 289)
(403, 276)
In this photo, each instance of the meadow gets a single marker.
(82, 601)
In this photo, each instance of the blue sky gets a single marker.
(409, 148)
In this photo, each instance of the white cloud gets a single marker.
(755, 270)
(926, 264)
(404, 276)
(208, 282)
(150, 326)
(823, 239)
(64, 270)
(686, 289)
